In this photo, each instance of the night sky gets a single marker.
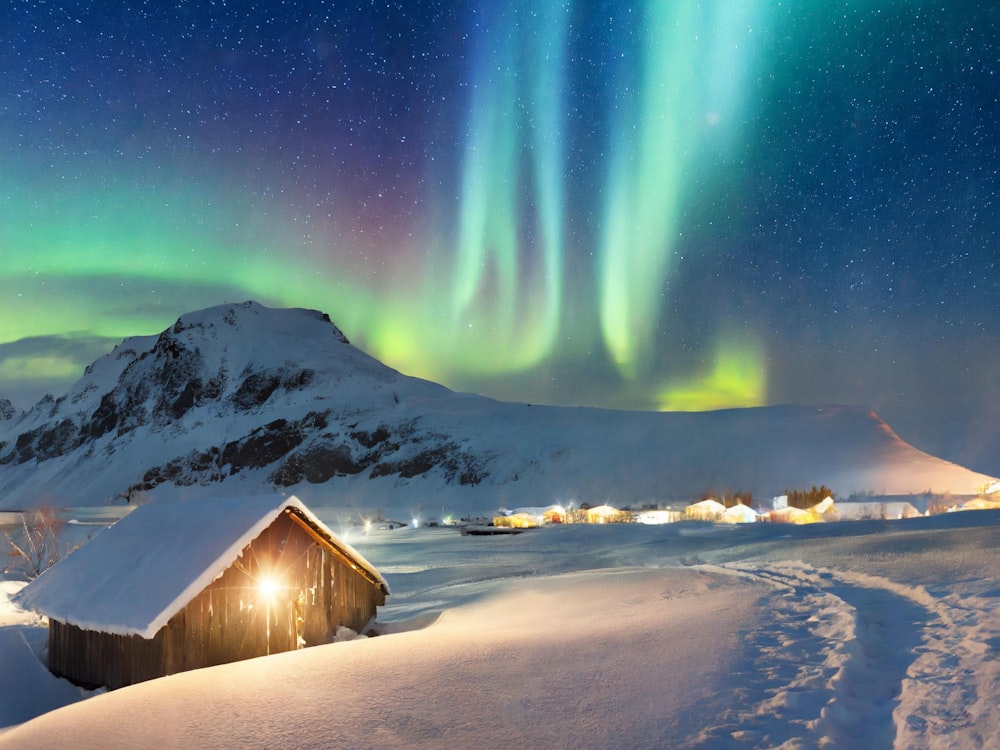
(660, 205)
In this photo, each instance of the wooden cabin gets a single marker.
(181, 585)
(609, 514)
(705, 510)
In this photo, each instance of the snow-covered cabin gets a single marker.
(181, 585)
(608, 514)
(705, 510)
(791, 515)
(878, 509)
(529, 518)
(740, 513)
(656, 517)
(518, 519)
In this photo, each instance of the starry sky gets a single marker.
(644, 205)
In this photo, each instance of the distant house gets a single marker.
(740, 513)
(888, 510)
(705, 510)
(791, 515)
(554, 514)
(608, 514)
(529, 518)
(178, 586)
(518, 520)
(655, 517)
(825, 510)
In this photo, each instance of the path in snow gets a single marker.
(853, 659)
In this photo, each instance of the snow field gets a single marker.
(880, 662)
(577, 661)
(685, 636)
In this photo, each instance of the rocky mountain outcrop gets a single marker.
(7, 410)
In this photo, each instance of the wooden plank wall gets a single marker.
(93, 659)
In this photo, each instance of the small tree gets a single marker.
(805, 499)
(729, 498)
(38, 547)
(744, 497)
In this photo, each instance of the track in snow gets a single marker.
(853, 660)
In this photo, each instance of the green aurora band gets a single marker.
(689, 84)
(486, 297)
(515, 109)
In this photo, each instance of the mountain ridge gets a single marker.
(243, 398)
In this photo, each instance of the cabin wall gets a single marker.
(92, 659)
(234, 618)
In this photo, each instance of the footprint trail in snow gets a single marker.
(855, 660)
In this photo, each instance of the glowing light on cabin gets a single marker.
(268, 586)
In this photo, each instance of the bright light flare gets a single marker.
(268, 586)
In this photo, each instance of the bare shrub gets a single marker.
(36, 547)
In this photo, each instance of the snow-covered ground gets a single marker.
(854, 634)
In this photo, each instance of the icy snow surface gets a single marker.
(846, 635)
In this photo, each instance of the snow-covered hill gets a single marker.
(242, 398)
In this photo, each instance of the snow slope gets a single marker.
(243, 399)
(842, 635)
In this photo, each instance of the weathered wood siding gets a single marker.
(93, 659)
(318, 589)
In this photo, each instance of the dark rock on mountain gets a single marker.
(7, 410)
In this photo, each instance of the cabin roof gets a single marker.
(132, 577)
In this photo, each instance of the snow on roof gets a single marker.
(135, 575)
(708, 505)
(823, 506)
(529, 511)
(741, 512)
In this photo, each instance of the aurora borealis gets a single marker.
(658, 205)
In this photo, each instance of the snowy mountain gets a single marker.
(237, 399)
